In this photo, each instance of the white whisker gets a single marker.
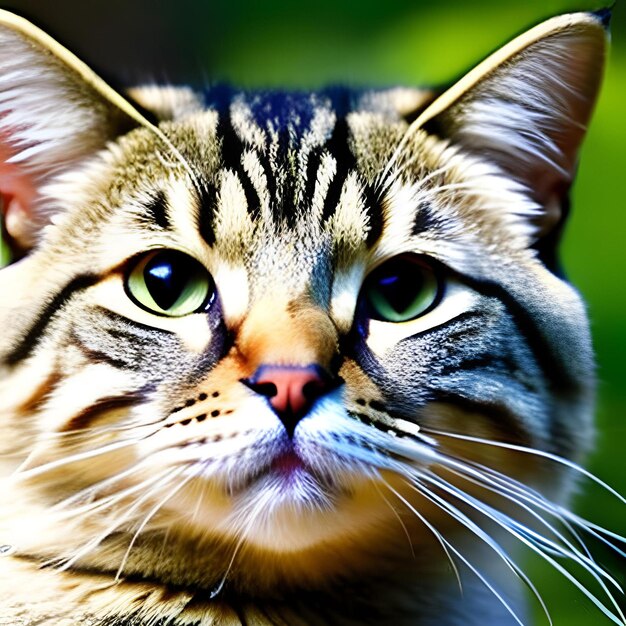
(127, 514)
(436, 534)
(522, 534)
(147, 518)
(540, 453)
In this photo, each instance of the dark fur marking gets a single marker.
(377, 406)
(312, 167)
(538, 344)
(339, 148)
(85, 417)
(374, 208)
(157, 209)
(425, 220)
(98, 356)
(207, 202)
(32, 337)
(43, 392)
(232, 149)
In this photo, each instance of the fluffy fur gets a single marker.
(149, 478)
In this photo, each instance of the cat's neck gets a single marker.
(407, 598)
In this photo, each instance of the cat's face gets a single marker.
(265, 324)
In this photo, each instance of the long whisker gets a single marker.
(147, 518)
(87, 433)
(93, 489)
(109, 501)
(25, 474)
(400, 521)
(438, 536)
(471, 526)
(526, 450)
(525, 536)
(252, 516)
(90, 545)
(574, 553)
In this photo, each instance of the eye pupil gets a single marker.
(399, 290)
(165, 280)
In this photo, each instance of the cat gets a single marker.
(292, 358)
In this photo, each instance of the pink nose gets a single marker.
(290, 390)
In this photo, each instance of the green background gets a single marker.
(275, 43)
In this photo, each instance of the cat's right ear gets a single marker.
(54, 113)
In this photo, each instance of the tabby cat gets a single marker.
(292, 358)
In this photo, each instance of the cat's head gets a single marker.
(268, 325)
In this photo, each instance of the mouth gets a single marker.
(287, 464)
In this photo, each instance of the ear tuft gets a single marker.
(54, 113)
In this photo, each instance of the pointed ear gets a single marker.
(526, 107)
(54, 113)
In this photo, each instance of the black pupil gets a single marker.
(166, 276)
(399, 283)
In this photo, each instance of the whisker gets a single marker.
(586, 558)
(438, 536)
(88, 433)
(257, 509)
(90, 545)
(540, 453)
(145, 521)
(521, 533)
(104, 503)
(458, 515)
(25, 474)
(397, 516)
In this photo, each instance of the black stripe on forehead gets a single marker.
(339, 147)
(157, 209)
(207, 202)
(287, 118)
(232, 148)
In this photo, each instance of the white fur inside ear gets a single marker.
(54, 114)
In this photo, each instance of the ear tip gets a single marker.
(604, 15)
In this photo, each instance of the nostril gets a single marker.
(268, 390)
(314, 389)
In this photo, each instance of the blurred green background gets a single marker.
(307, 44)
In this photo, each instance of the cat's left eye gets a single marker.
(401, 289)
(168, 282)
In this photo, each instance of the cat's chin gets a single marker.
(285, 508)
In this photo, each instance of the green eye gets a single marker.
(170, 283)
(401, 289)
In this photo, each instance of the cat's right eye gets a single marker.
(171, 283)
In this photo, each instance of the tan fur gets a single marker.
(150, 481)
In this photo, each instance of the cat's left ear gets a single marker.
(54, 114)
(526, 107)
